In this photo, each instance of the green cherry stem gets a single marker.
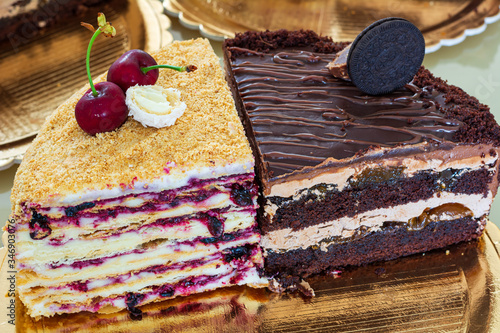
(189, 68)
(87, 61)
(108, 30)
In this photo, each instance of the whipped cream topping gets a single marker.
(154, 106)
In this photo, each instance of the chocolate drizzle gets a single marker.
(302, 115)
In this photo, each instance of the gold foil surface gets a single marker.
(448, 290)
(41, 69)
(343, 20)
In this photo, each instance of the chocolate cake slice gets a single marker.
(23, 19)
(348, 178)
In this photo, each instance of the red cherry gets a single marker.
(126, 71)
(102, 113)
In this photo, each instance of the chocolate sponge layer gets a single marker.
(396, 239)
(307, 211)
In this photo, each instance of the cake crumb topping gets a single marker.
(63, 159)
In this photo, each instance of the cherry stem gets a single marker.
(177, 68)
(87, 61)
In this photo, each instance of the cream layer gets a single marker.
(288, 239)
(48, 306)
(338, 176)
(40, 252)
(175, 177)
(161, 254)
(122, 223)
(107, 287)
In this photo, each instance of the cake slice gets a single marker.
(139, 214)
(348, 178)
(22, 20)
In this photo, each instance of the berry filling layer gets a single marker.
(241, 258)
(153, 254)
(92, 256)
(160, 292)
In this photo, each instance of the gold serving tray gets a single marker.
(443, 22)
(41, 72)
(448, 290)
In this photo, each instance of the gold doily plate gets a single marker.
(39, 73)
(443, 22)
(448, 290)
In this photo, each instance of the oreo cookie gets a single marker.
(385, 56)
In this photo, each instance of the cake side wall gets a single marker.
(261, 178)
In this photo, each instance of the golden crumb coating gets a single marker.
(63, 159)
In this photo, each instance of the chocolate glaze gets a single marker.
(300, 115)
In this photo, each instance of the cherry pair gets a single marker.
(102, 108)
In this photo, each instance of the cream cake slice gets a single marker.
(140, 214)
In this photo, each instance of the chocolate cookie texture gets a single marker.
(385, 56)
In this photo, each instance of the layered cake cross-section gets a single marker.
(139, 214)
(348, 178)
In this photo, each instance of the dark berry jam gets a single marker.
(72, 211)
(132, 300)
(39, 226)
(235, 253)
(209, 240)
(241, 195)
(215, 226)
(167, 293)
(228, 237)
(79, 286)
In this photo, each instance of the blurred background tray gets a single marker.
(443, 22)
(40, 74)
(448, 290)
